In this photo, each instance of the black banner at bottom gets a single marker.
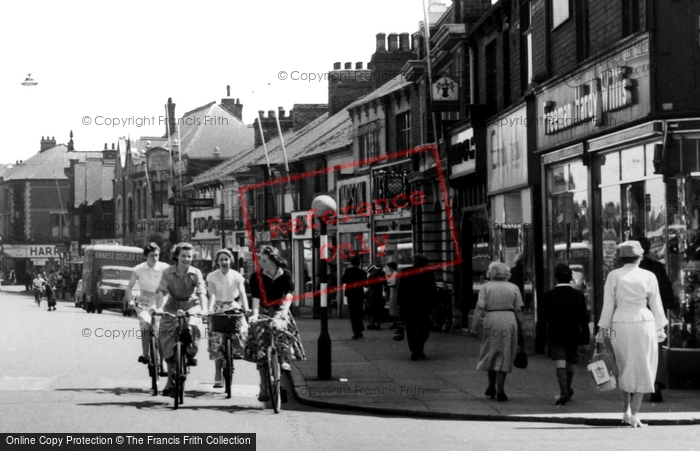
(106, 442)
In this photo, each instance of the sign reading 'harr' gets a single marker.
(612, 91)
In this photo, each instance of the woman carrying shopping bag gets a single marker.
(632, 328)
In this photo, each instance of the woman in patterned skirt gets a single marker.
(272, 296)
(226, 288)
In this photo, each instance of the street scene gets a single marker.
(483, 231)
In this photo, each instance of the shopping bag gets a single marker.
(603, 370)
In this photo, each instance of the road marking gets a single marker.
(9, 383)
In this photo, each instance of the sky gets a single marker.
(100, 60)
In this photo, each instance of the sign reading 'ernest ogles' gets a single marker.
(117, 256)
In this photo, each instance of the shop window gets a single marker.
(568, 228)
(610, 168)
(634, 162)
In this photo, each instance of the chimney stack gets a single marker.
(404, 43)
(348, 66)
(381, 42)
(393, 42)
(271, 114)
(46, 143)
(358, 65)
(280, 112)
(233, 106)
(170, 127)
(336, 66)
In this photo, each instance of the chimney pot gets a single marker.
(271, 113)
(348, 65)
(105, 146)
(336, 66)
(238, 101)
(281, 112)
(393, 42)
(404, 43)
(112, 146)
(261, 113)
(358, 65)
(381, 42)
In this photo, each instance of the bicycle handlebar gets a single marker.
(184, 313)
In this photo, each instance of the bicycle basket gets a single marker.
(226, 323)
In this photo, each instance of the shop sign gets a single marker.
(114, 241)
(506, 142)
(445, 92)
(205, 223)
(462, 153)
(612, 91)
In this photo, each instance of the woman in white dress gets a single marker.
(633, 328)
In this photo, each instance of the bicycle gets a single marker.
(155, 369)
(37, 296)
(273, 368)
(227, 323)
(182, 369)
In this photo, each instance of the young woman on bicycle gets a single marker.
(148, 275)
(226, 286)
(274, 301)
(184, 286)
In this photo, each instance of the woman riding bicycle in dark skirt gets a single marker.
(274, 301)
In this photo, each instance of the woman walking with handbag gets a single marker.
(632, 329)
(502, 327)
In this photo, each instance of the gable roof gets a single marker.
(210, 126)
(46, 165)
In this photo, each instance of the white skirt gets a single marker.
(637, 355)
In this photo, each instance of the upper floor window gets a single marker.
(403, 131)
(160, 197)
(369, 141)
(59, 226)
(560, 12)
(525, 45)
(630, 17)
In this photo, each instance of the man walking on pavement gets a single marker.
(666, 292)
(416, 298)
(352, 276)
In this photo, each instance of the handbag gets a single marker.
(603, 370)
(520, 359)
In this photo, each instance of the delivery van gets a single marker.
(107, 258)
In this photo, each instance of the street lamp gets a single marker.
(320, 205)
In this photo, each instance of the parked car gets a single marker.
(78, 298)
(112, 284)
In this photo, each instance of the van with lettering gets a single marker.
(106, 272)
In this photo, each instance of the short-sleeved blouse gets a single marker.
(274, 290)
(227, 287)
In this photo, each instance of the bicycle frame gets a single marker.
(272, 365)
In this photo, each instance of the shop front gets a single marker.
(30, 258)
(620, 183)
(510, 195)
(467, 180)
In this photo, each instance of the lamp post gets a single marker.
(320, 205)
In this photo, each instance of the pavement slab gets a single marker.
(376, 375)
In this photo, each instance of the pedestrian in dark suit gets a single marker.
(417, 295)
(666, 292)
(352, 276)
(566, 321)
(28, 280)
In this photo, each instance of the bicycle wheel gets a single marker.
(183, 376)
(153, 365)
(228, 366)
(273, 378)
(178, 373)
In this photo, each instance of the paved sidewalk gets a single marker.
(375, 374)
